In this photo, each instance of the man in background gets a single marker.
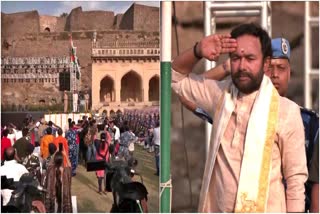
(65, 102)
(75, 101)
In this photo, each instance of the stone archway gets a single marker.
(131, 87)
(107, 90)
(112, 114)
(154, 88)
(119, 112)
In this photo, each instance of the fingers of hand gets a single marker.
(228, 50)
(222, 36)
(228, 45)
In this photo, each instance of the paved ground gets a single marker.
(85, 186)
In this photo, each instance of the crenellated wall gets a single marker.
(89, 20)
(52, 23)
(140, 17)
(18, 24)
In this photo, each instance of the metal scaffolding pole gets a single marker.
(309, 72)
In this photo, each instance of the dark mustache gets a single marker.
(243, 74)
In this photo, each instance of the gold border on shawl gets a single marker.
(267, 153)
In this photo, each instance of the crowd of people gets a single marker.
(52, 153)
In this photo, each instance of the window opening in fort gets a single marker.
(154, 88)
(112, 114)
(107, 90)
(119, 113)
(131, 87)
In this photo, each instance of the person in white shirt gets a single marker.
(156, 143)
(75, 101)
(117, 134)
(12, 169)
(12, 135)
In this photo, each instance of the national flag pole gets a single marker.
(165, 104)
(74, 58)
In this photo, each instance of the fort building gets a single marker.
(118, 57)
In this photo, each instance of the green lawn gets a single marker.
(85, 186)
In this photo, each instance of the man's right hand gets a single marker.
(212, 46)
(209, 47)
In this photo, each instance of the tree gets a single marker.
(64, 15)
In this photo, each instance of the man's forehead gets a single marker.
(248, 44)
(278, 61)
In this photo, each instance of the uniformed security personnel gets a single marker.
(279, 72)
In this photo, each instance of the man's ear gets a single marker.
(266, 64)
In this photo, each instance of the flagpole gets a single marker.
(165, 104)
(74, 59)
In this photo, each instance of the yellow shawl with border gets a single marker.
(253, 188)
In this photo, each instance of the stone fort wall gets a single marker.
(52, 23)
(28, 34)
(19, 24)
(24, 34)
(140, 17)
(89, 20)
(137, 17)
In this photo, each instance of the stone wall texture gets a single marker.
(55, 24)
(89, 20)
(140, 17)
(19, 24)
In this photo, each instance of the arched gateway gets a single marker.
(125, 71)
(131, 90)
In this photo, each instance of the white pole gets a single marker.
(264, 15)
(307, 57)
(208, 21)
(166, 34)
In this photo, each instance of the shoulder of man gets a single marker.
(287, 107)
(309, 115)
(310, 120)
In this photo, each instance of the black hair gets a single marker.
(157, 123)
(9, 153)
(52, 148)
(25, 132)
(49, 130)
(60, 131)
(71, 125)
(103, 140)
(256, 31)
(58, 161)
(50, 123)
(30, 148)
(126, 128)
(5, 132)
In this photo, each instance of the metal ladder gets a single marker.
(309, 72)
(215, 9)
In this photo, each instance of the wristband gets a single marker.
(195, 51)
